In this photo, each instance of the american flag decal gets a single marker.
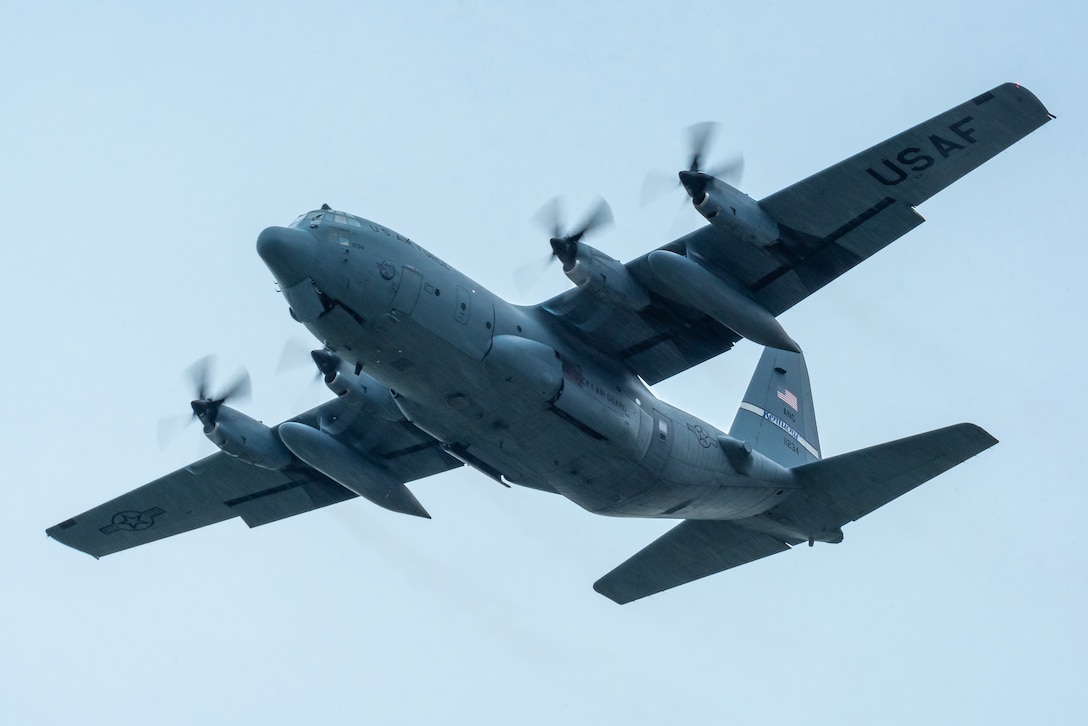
(789, 399)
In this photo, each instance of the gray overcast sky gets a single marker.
(144, 149)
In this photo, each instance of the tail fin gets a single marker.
(776, 416)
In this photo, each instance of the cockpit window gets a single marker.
(313, 219)
(346, 219)
(310, 219)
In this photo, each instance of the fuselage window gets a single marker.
(340, 236)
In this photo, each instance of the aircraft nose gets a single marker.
(288, 252)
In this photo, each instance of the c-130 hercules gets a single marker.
(432, 372)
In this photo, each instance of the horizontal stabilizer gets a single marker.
(844, 488)
(691, 550)
(833, 492)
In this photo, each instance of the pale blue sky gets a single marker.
(146, 147)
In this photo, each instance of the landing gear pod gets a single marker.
(531, 368)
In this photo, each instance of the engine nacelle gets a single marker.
(360, 391)
(606, 278)
(247, 439)
(735, 213)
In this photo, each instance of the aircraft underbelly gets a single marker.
(597, 439)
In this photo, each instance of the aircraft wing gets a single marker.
(221, 487)
(691, 550)
(828, 223)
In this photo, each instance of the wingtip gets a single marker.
(602, 589)
(985, 438)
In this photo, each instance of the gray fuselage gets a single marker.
(502, 389)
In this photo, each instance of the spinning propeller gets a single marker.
(695, 176)
(205, 405)
(564, 243)
(327, 362)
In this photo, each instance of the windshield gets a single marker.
(346, 219)
(312, 219)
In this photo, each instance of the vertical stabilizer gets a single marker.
(776, 416)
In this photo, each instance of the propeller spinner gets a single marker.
(695, 177)
(565, 245)
(206, 406)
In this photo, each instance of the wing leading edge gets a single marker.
(828, 223)
(220, 487)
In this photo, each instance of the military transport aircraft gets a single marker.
(432, 372)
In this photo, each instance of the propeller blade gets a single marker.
(729, 171)
(599, 216)
(525, 276)
(294, 355)
(238, 388)
(171, 427)
(550, 217)
(198, 374)
(699, 137)
(657, 185)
